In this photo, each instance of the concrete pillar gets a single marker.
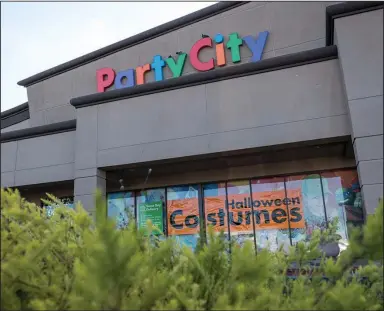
(86, 183)
(88, 176)
(359, 39)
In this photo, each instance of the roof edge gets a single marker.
(15, 115)
(54, 128)
(134, 40)
(14, 110)
(346, 9)
(198, 78)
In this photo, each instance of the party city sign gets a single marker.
(106, 77)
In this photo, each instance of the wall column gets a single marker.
(359, 39)
(88, 176)
(86, 183)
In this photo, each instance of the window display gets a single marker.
(313, 204)
(121, 207)
(214, 207)
(273, 213)
(343, 199)
(183, 214)
(150, 205)
(270, 192)
(67, 201)
(239, 209)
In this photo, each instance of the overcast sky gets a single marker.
(38, 36)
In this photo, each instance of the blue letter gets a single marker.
(256, 46)
(129, 74)
(157, 66)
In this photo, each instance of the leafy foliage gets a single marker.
(71, 262)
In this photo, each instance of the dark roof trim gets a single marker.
(14, 110)
(346, 9)
(270, 64)
(15, 115)
(132, 41)
(37, 131)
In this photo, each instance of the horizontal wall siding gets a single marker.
(290, 105)
(37, 160)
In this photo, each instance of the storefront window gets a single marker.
(67, 201)
(121, 207)
(240, 212)
(271, 213)
(286, 210)
(309, 186)
(183, 214)
(150, 205)
(214, 207)
(343, 199)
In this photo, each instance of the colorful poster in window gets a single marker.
(343, 199)
(271, 209)
(189, 240)
(313, 205)
(67, 201)
(215, 213)
(214, 207)
(183, 214)
(151, 211)
(151, 196)
(121, 207)
(268, 237)
(239, 208)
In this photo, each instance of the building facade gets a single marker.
(270, 109)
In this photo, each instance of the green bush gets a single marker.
(70, 262)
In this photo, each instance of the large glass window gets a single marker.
(183, 214)
(121, 207)
(67, 201)
(239, 209)
(343, 199)
(271, 213)
(214, 207)
(309, 188)
(150, 205)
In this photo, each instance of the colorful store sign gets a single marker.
(272, 210)
(151, 211)
(107, 77)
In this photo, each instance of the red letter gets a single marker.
(194, 53)
(102, 82)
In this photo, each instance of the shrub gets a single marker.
(71, 262)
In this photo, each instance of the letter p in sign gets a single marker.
(104, 78)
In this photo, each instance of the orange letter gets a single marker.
(220, 55)
(140, 72)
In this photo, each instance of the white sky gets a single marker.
(37, 36)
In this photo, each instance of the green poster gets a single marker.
(151, 211)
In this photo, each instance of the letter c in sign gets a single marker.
(172, 219)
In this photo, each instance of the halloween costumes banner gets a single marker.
(271, 210)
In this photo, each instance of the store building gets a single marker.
(270, 109)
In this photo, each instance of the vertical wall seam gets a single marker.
(14, 171)
(97, 136)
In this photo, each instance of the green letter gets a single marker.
(176, 68)
(234, 44)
